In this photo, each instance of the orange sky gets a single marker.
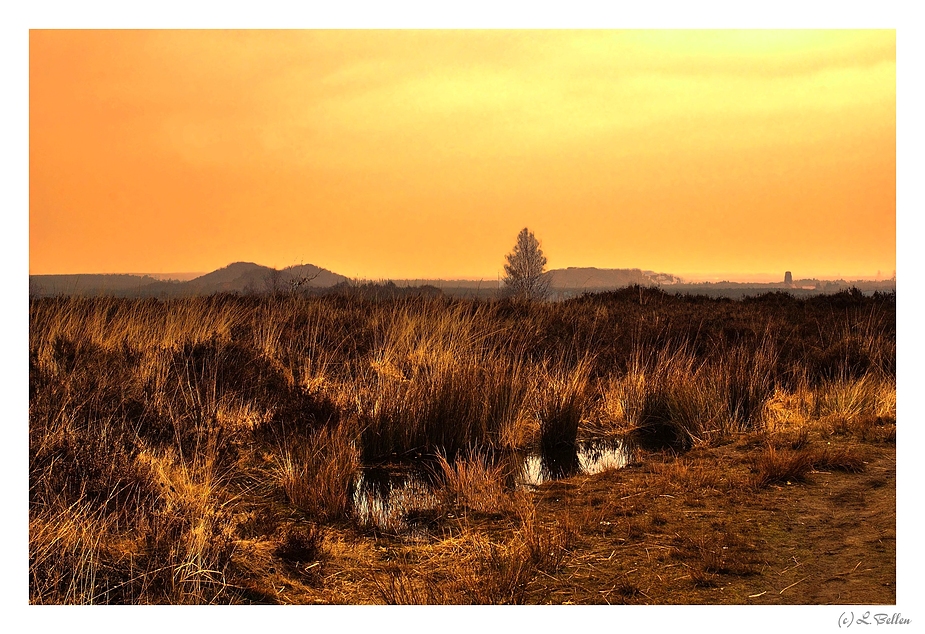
(410, 154)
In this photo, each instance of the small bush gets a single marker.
(300, 545)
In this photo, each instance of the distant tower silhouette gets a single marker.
(788, 279)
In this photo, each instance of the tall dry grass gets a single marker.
(745, 377)
(159, 430)
(318, 473)
(144, 419)
(438, 380)
(665, 399)
(673, 396)
(868, 396)
(473, 569)
(564, 401)
(474, 484)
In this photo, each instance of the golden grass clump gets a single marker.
(438, 382)
(744, 377)
(66, 558)
(473, 569)
(563, 401)
(664, 398)
(688, 476)
(193, 532)
(318, 473)
(852, 399)
(842, 458)
(473, 484)
(782, 466)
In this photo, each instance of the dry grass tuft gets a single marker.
(473, 484)
(439, 383)
(714, 552)
(848, 400)
(317, 473)
(547, 546)
(800, 440)
(564, 402)
(396, 586)
(663, 400)
(775, 466)
(473, 568)
(840, 458)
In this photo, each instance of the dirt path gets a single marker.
(692, 530)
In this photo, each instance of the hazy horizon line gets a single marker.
(686, 277)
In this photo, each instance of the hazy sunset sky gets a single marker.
(421, 154)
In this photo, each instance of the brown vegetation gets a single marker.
(207, 450)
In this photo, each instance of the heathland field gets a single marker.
(624, 447)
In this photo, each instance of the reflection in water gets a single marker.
(600, 456)
(590, 457)
(392, 499)
(403, 499)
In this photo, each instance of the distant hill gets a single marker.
(244, 277)
(594, 279)
(316, 276)
(239, 277)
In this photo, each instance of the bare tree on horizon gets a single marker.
(286, 281)
(523, 272)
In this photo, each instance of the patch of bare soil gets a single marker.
(695, 530)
